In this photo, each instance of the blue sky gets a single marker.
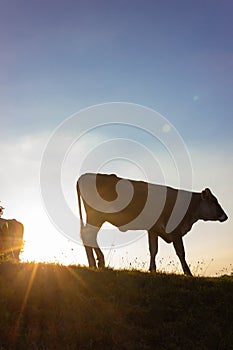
(57, 57)
(60, 56)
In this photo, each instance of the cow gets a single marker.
(11, 238)
(163, 211)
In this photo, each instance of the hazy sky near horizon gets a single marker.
(175, 57)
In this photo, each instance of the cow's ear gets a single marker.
(206, 193)
(203, 195)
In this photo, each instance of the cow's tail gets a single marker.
(79, 206)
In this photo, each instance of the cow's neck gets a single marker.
(193, 214)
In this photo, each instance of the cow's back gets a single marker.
(145, 202)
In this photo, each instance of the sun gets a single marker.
(43, 243)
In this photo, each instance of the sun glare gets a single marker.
(43, 243)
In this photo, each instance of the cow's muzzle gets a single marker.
(223, 218)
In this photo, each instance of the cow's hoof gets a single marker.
(152, 270)
(101, 264)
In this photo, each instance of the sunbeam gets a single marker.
(24, 303)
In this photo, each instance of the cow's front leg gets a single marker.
(153, 247)
(179, 248)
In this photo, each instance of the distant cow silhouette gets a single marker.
(135, 205)
(11, 238)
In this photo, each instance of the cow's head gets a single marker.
(210, 208)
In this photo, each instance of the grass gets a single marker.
(48, 306)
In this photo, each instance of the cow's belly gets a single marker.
(143, 221)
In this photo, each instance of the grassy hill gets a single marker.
(56, 307)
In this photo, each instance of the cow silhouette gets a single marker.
(137, 205)
(11, 238)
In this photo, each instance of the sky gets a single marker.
(60, 57)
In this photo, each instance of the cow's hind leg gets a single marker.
(179, 248)
(153, 247)
(90, 256)
(89, 238)
(100, 257)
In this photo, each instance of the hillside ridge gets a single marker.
(49, 306)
